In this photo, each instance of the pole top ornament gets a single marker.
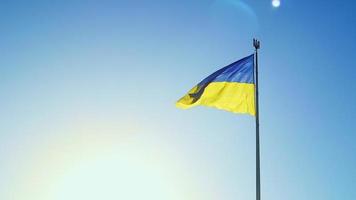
(256, 43)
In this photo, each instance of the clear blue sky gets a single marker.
(87, 92)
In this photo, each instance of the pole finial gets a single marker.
(256, 43)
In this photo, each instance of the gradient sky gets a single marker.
(87, 92)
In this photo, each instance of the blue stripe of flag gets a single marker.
(240, 71)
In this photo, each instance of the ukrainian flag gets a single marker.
(231, 88)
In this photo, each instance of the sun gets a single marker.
(117, 167)
(276, 3)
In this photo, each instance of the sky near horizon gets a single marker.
(87, 93)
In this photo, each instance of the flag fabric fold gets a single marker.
(231, 88)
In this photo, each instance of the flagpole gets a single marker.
(256, 44)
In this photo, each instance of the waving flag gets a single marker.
(231, 88)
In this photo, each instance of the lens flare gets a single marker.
(276, 3)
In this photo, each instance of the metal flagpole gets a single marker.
(256, 44)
